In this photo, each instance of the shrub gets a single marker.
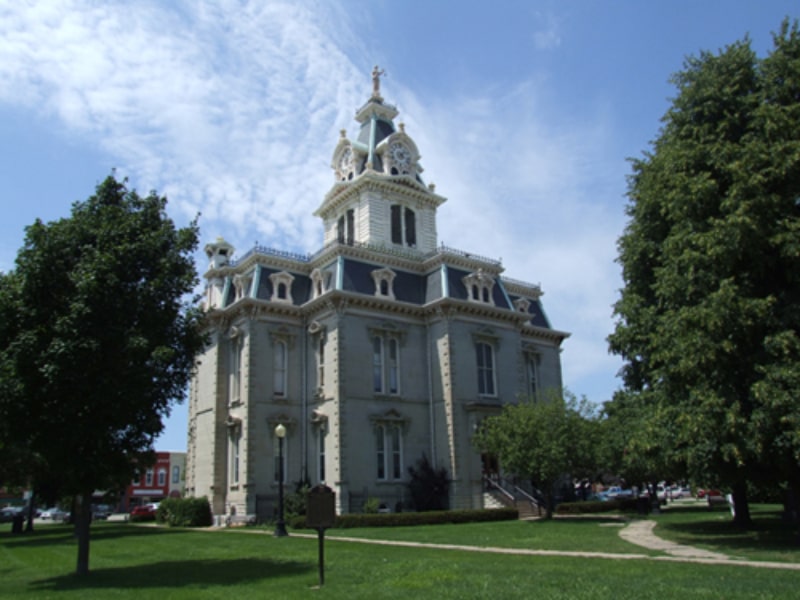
(428, 486)
(592, 507)
(371, 506)
(185, 512)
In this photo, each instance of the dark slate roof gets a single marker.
(408, 287)
(301, 286)
(459, 291)
(537, 312)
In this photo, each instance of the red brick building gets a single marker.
(165, 478)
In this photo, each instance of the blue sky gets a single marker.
(525, 113)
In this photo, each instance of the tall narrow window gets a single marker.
(321, 362)
(381, 452)
(533, 379)
(340, 233)
(394, 369)
(397, 226)
(176, 474)
(377, 364)
(236, 356)
(351, 226)
(279, 371)
(389, 455)
(234, 460)
(404, 226)
(411, 228)
(148, 477)
(321, 454)
(162, 477)
(485, 361)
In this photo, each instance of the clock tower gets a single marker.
(378, 198)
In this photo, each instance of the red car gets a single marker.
(146, 511)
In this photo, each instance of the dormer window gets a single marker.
(241, 284)
(282, 287)
(318, 285)
(384, 283)
(522, 304)
(480, 286)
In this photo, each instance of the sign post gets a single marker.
(321, 514)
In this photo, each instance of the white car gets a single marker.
(53, 514)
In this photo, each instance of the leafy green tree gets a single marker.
(708, 315)
(101, 342)
(543, 441)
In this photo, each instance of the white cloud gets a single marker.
(233, 110)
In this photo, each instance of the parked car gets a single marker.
(145, 511)
(8, 513)
(101, 511)
(53, 514)
(616, 491)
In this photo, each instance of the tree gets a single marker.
(707, 317)
(543, 441)
(429, 487)
(100, 343)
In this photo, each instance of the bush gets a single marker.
(185, 512)
(371, 506)
(429, 486)
(593, 507)
(418, 518)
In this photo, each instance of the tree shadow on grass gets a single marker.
(177, 574)
(767, 533)
(61, 534)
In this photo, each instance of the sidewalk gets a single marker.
(638, 532)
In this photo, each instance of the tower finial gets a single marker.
(376, 82)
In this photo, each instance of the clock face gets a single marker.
(346, 160)
(400, 155)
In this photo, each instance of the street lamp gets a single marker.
(280, 526)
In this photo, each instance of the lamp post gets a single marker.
(280, 526)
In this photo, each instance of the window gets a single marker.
(403, 226)
(233, 474)
(389, 452)
(321, 362)
(377, 364)
(532, 364)
(345, 228)
(235, 378)
(393, 367)
(148, 477)
(279, 369)
(479, 285)
(162, 477)
(281, 287)
(384, 282)
(137, 478)
(485, 360)
(386, 360)
(176, 474)
(321, 454)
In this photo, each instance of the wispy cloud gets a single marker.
(232, 109)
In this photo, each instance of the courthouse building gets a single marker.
(381, 347)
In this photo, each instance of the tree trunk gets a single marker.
(741, 506)
(82, 514)
(550, 503)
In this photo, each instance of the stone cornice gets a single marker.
(343, 192)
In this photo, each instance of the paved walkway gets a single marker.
(637, 532)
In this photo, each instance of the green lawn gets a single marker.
(129, 561)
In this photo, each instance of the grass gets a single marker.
(129, 561)
(770, 539)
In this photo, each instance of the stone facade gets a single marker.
(381, 347)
